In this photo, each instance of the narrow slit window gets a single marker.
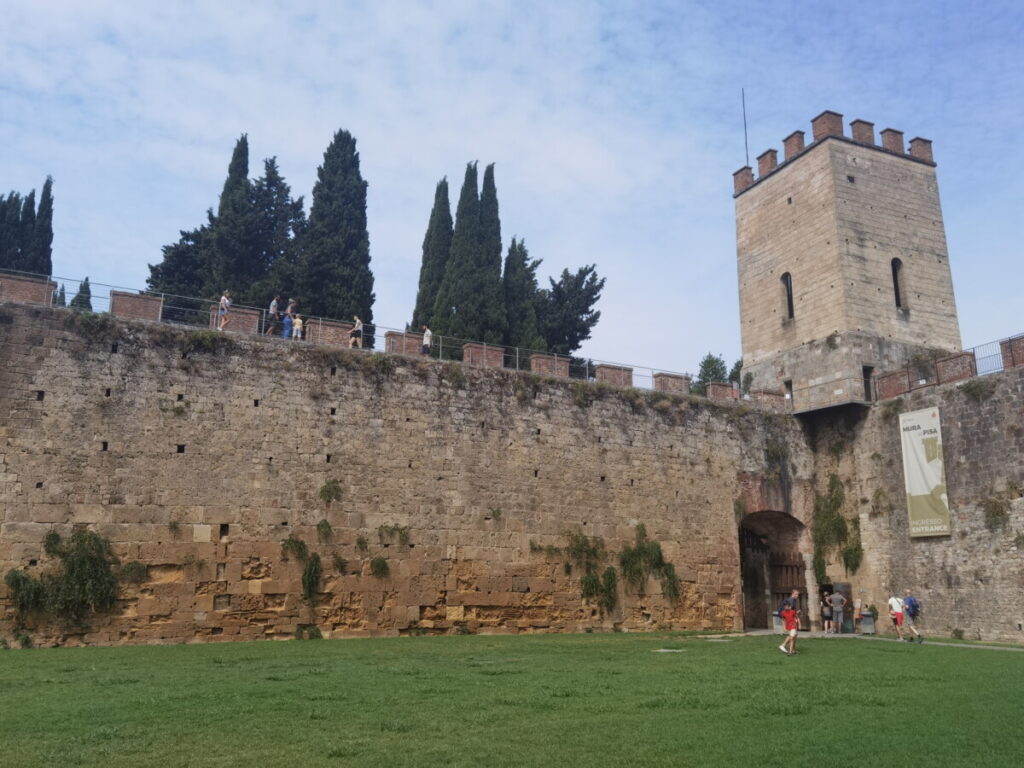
(897, 283)
(787, 289)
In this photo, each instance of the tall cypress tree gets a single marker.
(27, 233)
(437, 245)
(519, 289)
(456, 312)
(10, 231)
(279, 222)
(62, 299)
(492, 320)
(42, 245)
(236, 265)
(334, 276)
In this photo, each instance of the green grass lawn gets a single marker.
(543, 700)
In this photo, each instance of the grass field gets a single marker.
(544, 700)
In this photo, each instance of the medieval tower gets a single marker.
(842, 260)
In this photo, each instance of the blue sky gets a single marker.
(615, 128)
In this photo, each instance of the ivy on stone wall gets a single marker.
(832, 532)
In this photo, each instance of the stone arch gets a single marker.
(770, 564)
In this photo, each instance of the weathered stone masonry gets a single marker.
(198, 455)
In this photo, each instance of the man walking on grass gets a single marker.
(789, 612)
(896, 614)
(911, 610)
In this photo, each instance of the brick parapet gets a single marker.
(486, 355)
(616, 375)
(672, 382)
(28, 290)
(136, 306)
(399, 343)
(550, 365)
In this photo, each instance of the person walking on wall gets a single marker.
(355, 336)
(911, 612)
(838, 603)
(428, 340)
(297, 328)
(286, 325)
(272, 317)
(896, 614)
(223, 318)
(826, 615)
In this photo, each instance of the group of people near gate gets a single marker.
(288, 323)
(903, 612)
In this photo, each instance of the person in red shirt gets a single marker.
(792, 623)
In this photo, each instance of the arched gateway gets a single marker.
(770, 565)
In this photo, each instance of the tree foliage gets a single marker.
(712, 368)
(519, 293)
(565, 311)
(26, 231)
(83, 299)
(437, 244)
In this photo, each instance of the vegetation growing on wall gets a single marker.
(832, 532)
(311, 578)
(978, 390)
(645, 559)
(330, 491)
(83, 582)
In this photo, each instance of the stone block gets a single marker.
(550, 365)
(202, 532)
(488, 355)
(616, 375)
(136, 306)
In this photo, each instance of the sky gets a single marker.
(615, 128)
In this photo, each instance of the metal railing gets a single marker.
(192, 312)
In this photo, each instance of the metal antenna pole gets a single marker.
(746, 147)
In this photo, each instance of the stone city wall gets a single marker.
(197, 454)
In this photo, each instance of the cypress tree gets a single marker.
(519, 289)
(565, 312)
(334, 276)
(456, 312)
(279, 221)
(236, 266)
(43, 233)
(26, 233)
(492, 320)
(437, 245)
(10, 231)
(62, 298)
(83, 299)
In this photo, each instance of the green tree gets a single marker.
(712, 368)
(236, 264)
(493, 317)
(519, 290)
(565, 311)
(42, 240)
(735, 371)
(280, 223)
(334, 277)
(83, 299)
(185, 267)
(27, 233)
(456, 311)
(437, 245)
(10, 231)
(61, 300)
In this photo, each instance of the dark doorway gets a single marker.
(771, 565)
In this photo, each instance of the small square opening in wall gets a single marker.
(224, 529)
(40, 394)
(328, 458)
(113, 348)
(180, 397)
(334, 411)
(851, 179)
(106, 392)
(255, 403)
(334, 370)
(104, 445)
(39, 484)
(181, 447)
(33, 562)
(789, 201)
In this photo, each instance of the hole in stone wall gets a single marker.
(39, 484)
(333, 370)
(106, 392)
(224, 528)
(181, 447)
(334, 411)
(538, 430)
(631, 481)
(270, 460)
(328, 458)
(851, 179)
(103, 445)
(602, 478)
(180, 397)
(40, 394)
(113, 348)
(789, 201)
(255, 403)
(284, 523)
(33, 562)
(536, 473)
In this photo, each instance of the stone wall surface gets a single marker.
(197, 454)
(974, 579)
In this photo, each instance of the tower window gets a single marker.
(787, 288)
(897, 283)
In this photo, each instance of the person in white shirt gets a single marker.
(222, 311)
(428, 340)
(896, 614)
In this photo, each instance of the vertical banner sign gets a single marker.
(925, 474)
